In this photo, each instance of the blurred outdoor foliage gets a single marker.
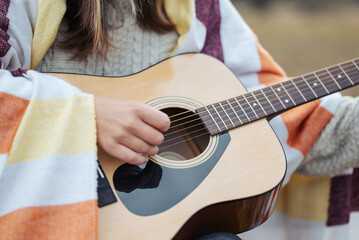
(305, 35)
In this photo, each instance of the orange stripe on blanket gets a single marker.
(12, 110)
(304, 124)
(71, 221)
(270, 73)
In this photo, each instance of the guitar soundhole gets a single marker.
(187, 136)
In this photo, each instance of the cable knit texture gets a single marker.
(336, 149)
(135, 50)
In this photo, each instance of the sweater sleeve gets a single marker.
(336, 149)
(16, 21)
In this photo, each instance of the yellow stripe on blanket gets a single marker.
(55, 127)
(305, 198)
(181, 15)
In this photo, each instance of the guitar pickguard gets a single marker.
(166, 186)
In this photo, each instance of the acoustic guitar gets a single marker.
(221, 165)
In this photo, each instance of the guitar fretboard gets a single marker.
(234, 112)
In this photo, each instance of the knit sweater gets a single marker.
(336, 149)
(135, 49)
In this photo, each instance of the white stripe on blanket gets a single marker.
(240, 50)
(2, 162)
(46, 86)
(17, 86)
(36, 183)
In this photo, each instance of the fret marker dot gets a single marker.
(315, 84)
(278, 89)
(339, 76)
(254, 104)
(286, 101)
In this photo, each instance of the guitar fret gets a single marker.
(274, 99)
(310, 87)
(250, 106)
(278, 96)
(295, 85)
(321, 82)
(220, 117)
(346, 75)
(212, 118)
(268, 100)
(264, 108)
(355, 64)
(242, 109)
(288, 94)
(226, 114)
(351, 71)
(255, 105)
(293, 93)
(229, 103)
(283, 95)
(259, 104)
(328, 81)
(304, 89)
(245, 102)
(316, 85)
(239, 111)
(333, 79)
(341, 77)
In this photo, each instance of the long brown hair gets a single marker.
(87, 31)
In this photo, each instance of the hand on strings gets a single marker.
(129, 131)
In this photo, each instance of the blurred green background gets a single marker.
(305, 35)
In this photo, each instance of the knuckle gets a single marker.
(137, 108)
(137, 159)
(158, 139)
(133, 158)
(165, 123)
(129, 125)
(119, 134)
(111, 146)
(142, 148)
(154, 151)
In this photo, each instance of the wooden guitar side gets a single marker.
(240, 191)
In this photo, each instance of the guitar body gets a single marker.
(228, 183)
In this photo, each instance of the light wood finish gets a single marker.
(252, 165)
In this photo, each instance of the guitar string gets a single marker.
(189, 133)
(300, 83)
(206, 133)
(161, 148)
(186, 134)
(316, 76)
(241, 114)
(195, 114)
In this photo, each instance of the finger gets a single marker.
(138, 145)
(125, 154)
(155, 118)
(148, 134)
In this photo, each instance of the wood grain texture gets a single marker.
(251, 168)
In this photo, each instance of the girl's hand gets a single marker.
(129, 131)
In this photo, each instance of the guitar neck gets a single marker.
(235, 112)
